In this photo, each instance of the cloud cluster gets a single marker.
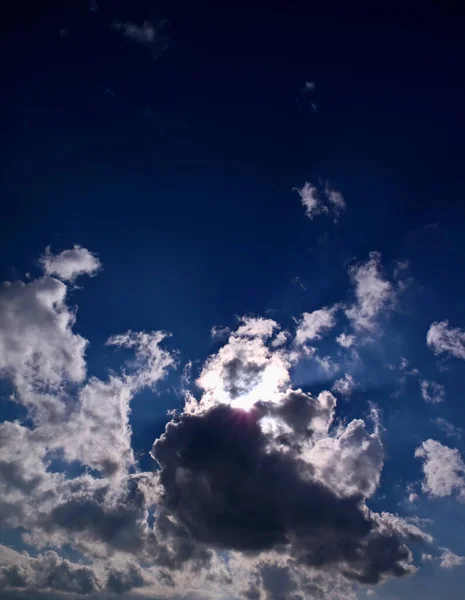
(322, 200)
(258, 490)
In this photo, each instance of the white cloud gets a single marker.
(443, 468)
(373, 294)
(449, 560)
(346, 340)
(69, 264)
(442, 338)
(38, 350)
(350, 463)
(312, 326)
(345, 385)
(432, 392)
(245, 370)
(326, 201)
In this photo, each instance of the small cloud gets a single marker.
(447, 428)
(93, 6)
(309, 86)
(426, 557)
(220, 333)
(443, 468)
(444, 339)
(374, 294)
(346, 340)
(321, 201)
(69, 264)
(312, 326)
(345, 386)
(148, 34)
(63, 32)
(432, 392)
(110, 92)
(449, 560)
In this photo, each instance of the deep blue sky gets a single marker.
(179, 173)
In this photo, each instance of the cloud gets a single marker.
(444, 339)
(51, 573)
(449, 560)
(39, 352)
(443, 468)
(447, 428)
(321, 201)
(245, 369)
(149, 34)
(259, 492)
(373, 294)
(345, 385)
(235, 487)
(432, 392)
(69, 264)
(312, 326)
(346, 340)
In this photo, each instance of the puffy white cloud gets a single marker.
(442, 338)
(443, 468)
(373, 293)
(312, 326)
(449, 560)
(326, 201)
(351, 462)
(69, 264)
(432, 392)
(39, 352)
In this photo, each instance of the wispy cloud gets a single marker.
(442, 338)
(321, 200)
(149, 34)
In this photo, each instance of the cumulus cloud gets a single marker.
(69, 264)
(322, 200)
(245, 369)
(432, 392)
(312, 326)
(442, 338)
(373, 294)
(443, 468)
(38, 350)
(259, 490)
(449, 560)
(235, 487)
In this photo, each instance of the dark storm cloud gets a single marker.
(231, 490)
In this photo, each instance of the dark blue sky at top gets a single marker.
(181, 178)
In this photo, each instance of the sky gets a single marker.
(232, 336)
